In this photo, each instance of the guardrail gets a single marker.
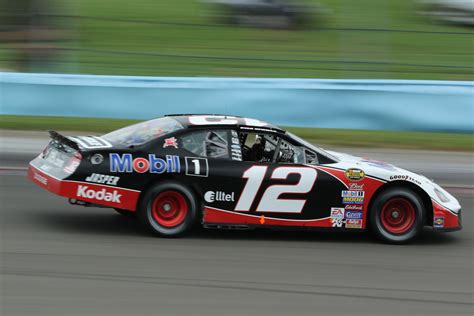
(355, 104)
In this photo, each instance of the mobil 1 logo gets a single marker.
(197, 167)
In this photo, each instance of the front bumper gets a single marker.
(444, 219)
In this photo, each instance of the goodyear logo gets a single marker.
(355, 174)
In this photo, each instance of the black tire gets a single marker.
(153, 213)
(397, 216)
(126, 213)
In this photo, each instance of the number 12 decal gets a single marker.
(270, 201)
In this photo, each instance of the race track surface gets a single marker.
(58, 259)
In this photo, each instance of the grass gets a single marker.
(335, 137)
(355, 39)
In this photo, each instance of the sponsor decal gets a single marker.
(236, 157)
(337, 222)
(196, 167)
(353, 200)
(438, 222)
(83, 191)
(257, 129)
(337, 216)
(218, 196)
(103, 178)
(353, 215)
(353, 223)
(337, 212)
(352, 194)
(97, 159)
(126, 163)
(171, 142)
(406, 178)
(355, 174)
(354, 207)
(356, 187)
(341, 217)
(40, 178)
(236, 152)
(91, 142)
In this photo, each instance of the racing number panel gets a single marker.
(285, 191)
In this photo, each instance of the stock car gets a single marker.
(229, 172)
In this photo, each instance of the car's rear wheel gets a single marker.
(397, 216)
(168, 209)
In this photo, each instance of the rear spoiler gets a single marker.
(63, 139)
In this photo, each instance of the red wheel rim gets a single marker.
(398, 215)
(169, 208)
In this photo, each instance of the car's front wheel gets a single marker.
(168, 209)
(397, 216)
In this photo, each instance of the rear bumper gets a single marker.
(84, 191)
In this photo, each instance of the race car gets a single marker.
(227, 172)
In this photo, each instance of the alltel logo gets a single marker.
(218, 196)
(101, 195)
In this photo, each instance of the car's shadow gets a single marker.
(109, 223)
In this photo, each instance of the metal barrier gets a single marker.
(355, 104)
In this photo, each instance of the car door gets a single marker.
(212, 159)
(274, 185)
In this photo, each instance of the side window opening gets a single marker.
(289, 153)
(217, 145)
(258, 147)
(311, 157)
(261, 147)
(205, 143)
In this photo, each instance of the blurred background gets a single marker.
(405, 39)
(386, 79)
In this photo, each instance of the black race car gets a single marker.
(230, 172)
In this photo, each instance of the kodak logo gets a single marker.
(102, 195)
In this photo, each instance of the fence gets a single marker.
(355, 104)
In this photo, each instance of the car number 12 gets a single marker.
(270, 201)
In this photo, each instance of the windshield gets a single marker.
(141, 133)
(311, 146)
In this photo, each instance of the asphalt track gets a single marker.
(58, 259)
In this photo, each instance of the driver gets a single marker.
(255, 153)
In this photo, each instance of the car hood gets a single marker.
(388, 172)
(370, 166)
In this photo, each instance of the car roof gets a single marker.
(206, 120)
